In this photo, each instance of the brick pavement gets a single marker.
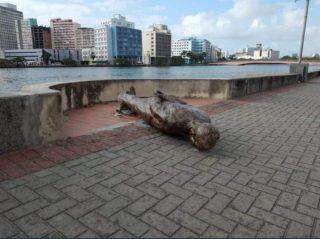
(261, 180)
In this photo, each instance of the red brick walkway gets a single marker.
(81, 137)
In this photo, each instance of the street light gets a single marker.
(304, 29)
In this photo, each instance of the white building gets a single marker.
(179, 46)
(32, 56)
(118, 20)
(258, 53)
(102, 43)
(103, 46)
(266, 54)
(156, 44)
(87, 54)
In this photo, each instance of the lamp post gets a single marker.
(304, 30)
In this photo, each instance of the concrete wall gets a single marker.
(29, 120)
(36, 117)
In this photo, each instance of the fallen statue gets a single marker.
(172, 116)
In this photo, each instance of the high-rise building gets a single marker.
(63, 33)
(24, 33)
(103, 44)
(85, 38)
(117, 38)
(8, 16)
(156, 44)
(41, 37)
(194, 45)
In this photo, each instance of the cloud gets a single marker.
(249, 21)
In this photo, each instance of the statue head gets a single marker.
(204, 135)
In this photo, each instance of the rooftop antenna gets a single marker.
(304, 29)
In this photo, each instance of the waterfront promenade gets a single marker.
(262, 179)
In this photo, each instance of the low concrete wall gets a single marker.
(35, 117)
(29, 120)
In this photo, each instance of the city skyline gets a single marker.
(231, 24)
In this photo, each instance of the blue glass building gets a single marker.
(127, 43)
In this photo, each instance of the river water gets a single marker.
(14, 79)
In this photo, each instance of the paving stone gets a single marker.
(242, 202)
(7, 228)
(153, 233)
(243, 232)
(214, 232)
(161, 223)
(243, 189)
(184, 233)
(308, 211)
(178, 191)
(167, 205)
(23, 194)
(218, 203)
(242, 218)
(216, 220)
(269, 217)
(242, 178)
(99, 224)
(152, 190)
(223, 178)
(293, 215)
(141, 205)
(25, 209)
(128, 191)
(201, 190)
(50, 193)
(85, 207)
(193, 204)
(265, 201)
(310, 199)
(130, 223)
(56, 208)
(138, 179)
(91, 234)
(3, 195)
(181, 178)
(288, 200)
(270, 231)
(160, 179)
(113, 206)
(103, 192)
(202, 178)
(188, 221)
(316, 232)
(66, 225)
(117, 179)
(77, 193)
(34, 226)
(298, 230)
(8, 204)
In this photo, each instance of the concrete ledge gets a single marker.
(35, 115)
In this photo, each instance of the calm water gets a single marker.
(15, 79)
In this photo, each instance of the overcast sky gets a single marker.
(230, 24)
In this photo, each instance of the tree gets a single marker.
(160, 61)
(46, 57)
(68, 62)
(93, 56)
(177, 61)
(19, 60)
(121, 61)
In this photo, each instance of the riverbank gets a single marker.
(243, 63)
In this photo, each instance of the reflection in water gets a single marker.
(14, 79)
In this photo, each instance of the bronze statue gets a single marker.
(172, 116)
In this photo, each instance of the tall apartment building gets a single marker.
(24, 32)
(156, 44)
(118, 38)
(194, 45)
(63, 33)
(85, 38)
(41, 37)
(103, 44)
(8, 16)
